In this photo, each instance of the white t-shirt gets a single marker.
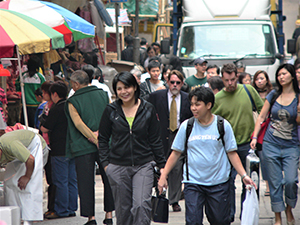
(207, 160)
(96, 83)
(104, 87)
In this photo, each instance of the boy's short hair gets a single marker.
(60, 88)
(213, 66)
(153, 64)
(203, 94)
(143, 41)
(46, 86)
(216, 82)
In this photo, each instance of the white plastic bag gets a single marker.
(250, 214)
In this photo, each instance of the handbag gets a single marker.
(263, 129)
(250, 214)
(160, 208)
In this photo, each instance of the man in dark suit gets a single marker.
(173, 107)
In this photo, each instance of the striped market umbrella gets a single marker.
(27, 36)
(30, 35)
(73, 27)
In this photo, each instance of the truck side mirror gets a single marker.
(291, 46)
(165, 46)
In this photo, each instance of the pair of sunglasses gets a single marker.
(177, 82)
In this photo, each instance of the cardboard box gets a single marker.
(10, 215)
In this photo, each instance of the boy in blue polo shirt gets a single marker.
(208, 162)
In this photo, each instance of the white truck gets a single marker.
(226, 32)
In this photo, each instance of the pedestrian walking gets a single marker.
(172, 107)
(129, 147)
(281, 143)
(207, 167)
(262, 84)
(234, 104)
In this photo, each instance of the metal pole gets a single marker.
(175, 26)
(137, 9)
(136, 41)
(117, 12)
(22, 89)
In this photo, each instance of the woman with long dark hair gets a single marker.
(129, 147)
(281, 144)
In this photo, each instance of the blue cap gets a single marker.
(199, 61)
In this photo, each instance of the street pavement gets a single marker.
(266, 216)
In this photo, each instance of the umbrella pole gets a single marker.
(22, 89)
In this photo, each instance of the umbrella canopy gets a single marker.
(30, 35)
(64, 21)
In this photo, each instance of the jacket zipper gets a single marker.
(130, 141)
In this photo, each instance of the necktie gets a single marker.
(173, 114)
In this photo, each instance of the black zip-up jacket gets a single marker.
(130, 147)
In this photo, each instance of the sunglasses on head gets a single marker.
(177, 82)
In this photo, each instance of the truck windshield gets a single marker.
(227, 40)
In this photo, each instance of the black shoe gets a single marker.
(91, 222)
(176, 207)
(108, 221)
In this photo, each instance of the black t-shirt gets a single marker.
(57, 125)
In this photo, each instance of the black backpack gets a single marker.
(190, 124)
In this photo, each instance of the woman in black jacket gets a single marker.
(134, 130)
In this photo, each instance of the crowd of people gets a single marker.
(196, 130)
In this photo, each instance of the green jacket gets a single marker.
(90, 103)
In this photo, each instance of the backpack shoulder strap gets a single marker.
(251, 99)
(189, 128)
(220, 124)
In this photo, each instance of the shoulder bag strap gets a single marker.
(251, 99)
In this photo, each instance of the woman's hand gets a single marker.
(253, 144)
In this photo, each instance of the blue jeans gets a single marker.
(64, 178)
(214, 198)
(277, 159)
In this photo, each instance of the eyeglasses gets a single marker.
(177, 82)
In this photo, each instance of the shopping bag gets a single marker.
(160, 208)
(250, 214)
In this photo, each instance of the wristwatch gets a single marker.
(244, 176)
